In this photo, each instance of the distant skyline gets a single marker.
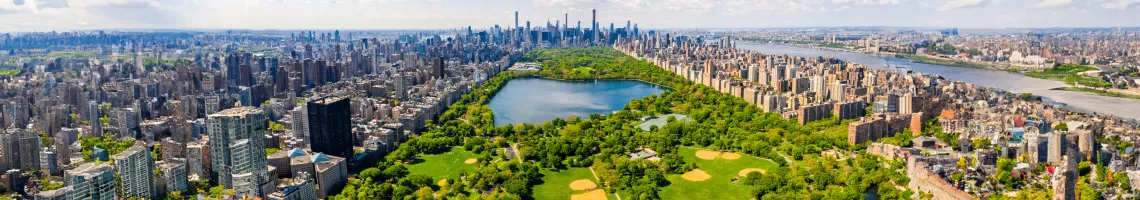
(64, 15)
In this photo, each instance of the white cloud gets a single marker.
(698, 6)
(866, 2)
(738, 7)
(630, 4)
(562, 2)
(17, 6)
(1052, 3)
(1121, 4)
(956, 4)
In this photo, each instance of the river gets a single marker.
(528, 100)
(1008, 81)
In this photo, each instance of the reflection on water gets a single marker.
(533, 100)
(1009, 81)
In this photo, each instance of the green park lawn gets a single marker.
(556, 184)
(445, 165)
(720, 186)
(583, 70)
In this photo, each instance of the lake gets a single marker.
(532, 100)
(1008, 81)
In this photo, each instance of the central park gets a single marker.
(722, 147)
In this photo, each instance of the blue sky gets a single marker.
(62, 15)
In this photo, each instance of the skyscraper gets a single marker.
(92, 181)
(93, 119)
(330, 131)
(594, 23)
(135, 169)
(437, 64)
(242, 127)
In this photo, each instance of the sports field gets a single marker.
(713, 178)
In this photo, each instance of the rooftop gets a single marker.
(239, 111)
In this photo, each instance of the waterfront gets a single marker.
(1009, 81)
(534, 100)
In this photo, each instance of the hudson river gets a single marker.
(1008, 81)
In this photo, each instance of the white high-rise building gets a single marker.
(174, 174)
(136, 171)
(300, 122)
(237, 147)
(195, 159)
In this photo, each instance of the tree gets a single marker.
(395, 171)
(1061, 127)
(416, 181)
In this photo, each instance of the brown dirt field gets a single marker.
(598, 194)
(470, 161)
(583, 184)
(746, 171)
(730, 156)
(707, 155)
(696, 175)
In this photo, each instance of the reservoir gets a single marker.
(1008, 81)
(532, 100)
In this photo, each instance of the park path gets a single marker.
(600, 180)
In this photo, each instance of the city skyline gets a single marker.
(64, 15)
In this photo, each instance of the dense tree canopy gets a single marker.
(602, 142)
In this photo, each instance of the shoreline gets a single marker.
(670, 89)
(962, 64)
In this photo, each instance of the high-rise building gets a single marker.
(330, 126)
(300, 122)
(594, 24)
(437, 65)
(195, 157)
(174, 175)
(244, 128)
(135, 169)
(92, 181)
(93, 119)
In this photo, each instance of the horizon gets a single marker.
(67, 15)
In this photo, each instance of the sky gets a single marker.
(66, 15)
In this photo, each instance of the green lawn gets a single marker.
(445, 165)
(556, 184)
(10, 72)
(583, 70)
(720, 186)
(1069, 74)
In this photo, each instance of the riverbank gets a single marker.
(1100, 92)
(951, 63)
(1085, 102)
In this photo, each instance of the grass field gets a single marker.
(70, 54)
(11, 72)
(1069, 74)
(445, 165)
(720, 186)
(583, 70)
(556, 184)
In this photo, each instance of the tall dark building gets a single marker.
(594, 24)
(437, 66)
(330, 129)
